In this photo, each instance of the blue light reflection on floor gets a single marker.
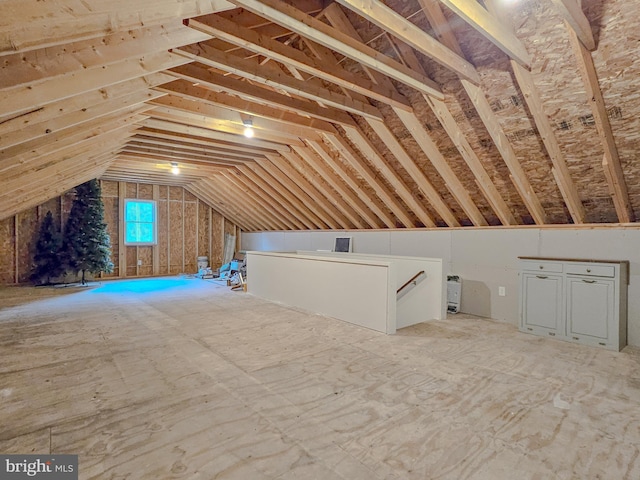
(144, 285)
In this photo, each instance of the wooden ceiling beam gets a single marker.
(491, 28)
(62, 62)
(21, 155)
(186, 90)
(169, 126)
(323, 168)
(282, 210)
(224, 147)
(35, 175)
(439, 23)
(412, 123)
(116, 176)
(611, 160)
(384, 211)
(219, 187)
(65, 106)
(208, 79)
(386, 18)
(18, 195)
(76, 119)
(274, 77)
(202, 121)
(246, 38)
(368, 150)
(230, 194)
(169, 156)
(221, 118)
(208, 191)
(191, 168)
(271, 187)
(560, 171)
(572, 13)
(26, 98)
(304, 189)
(52, 171)
(328, 191)
(204, 192)
(52, 188)
(247, 194)
(132, 169)
(418, 176)
(453, 184)
(189, 149)
(292, 191)
(32, 24)
(261, 174)
(446, 119)
(147, 175)
(307, 26)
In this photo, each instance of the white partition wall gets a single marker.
(357, 291)
(356, 288)
(425, 301)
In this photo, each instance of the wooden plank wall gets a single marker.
(187, 228)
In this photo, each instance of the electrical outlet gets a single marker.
(139, 263)
(502, 291)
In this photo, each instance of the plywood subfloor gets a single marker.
(182, 378)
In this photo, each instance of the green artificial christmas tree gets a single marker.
(46, 261)
(87, 246)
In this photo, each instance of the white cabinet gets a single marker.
(542, 306)
(575, 300)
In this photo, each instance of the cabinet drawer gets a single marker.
(591, 270)
(542, 266)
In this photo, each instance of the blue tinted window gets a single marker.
(140, 222)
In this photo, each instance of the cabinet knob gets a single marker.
(588, 270)
(541, 267)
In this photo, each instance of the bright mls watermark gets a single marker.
(49, 467)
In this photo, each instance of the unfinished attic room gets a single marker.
(316, 239)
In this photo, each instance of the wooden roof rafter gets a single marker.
(438, 22)
(323, 166)
(243, 190)
(532, 98)
(327, 192)
(582, 42)
(416, 128)
(269, 186)
(307, 26)
(285, 215)
(277, 181)
(307, 192)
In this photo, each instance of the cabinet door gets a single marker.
(590, 310)
(541, 310)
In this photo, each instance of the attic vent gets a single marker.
(614, 112)
(565, 125)
(587, 120)
(515, 99)
(496, 105)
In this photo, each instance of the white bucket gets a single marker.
(203, 262)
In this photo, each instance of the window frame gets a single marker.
(154, 223)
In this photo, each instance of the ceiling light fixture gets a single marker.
(248, 127)
(174, 168)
